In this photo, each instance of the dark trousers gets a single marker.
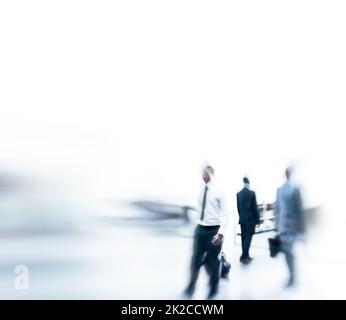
(205, 252)
(247, 231)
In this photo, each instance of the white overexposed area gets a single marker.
(106, 102)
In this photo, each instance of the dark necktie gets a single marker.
(204, 202)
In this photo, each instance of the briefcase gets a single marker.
(225, 266)
(274, 246)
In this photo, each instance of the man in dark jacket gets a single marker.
(248, 218)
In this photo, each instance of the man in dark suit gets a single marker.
(248, 218)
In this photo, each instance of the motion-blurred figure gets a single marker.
(209, 235)
(289, 221)
(248, 218)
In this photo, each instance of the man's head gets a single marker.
(246, 180)
(288, 173)
(208, 173)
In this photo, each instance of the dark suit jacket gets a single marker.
(247, 207)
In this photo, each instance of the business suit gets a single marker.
(289, 222)
(288, 210)
(248, 218)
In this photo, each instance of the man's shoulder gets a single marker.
(246, 191)
(216, 190)
(240, 194)
(288, 187)
(281, 188)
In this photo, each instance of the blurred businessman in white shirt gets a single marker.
(209, 234)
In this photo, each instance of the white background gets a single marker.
(105, 100)
(129, 99)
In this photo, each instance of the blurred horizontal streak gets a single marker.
(37, 203)
(164, 210)
(11, 183)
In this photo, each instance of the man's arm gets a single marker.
(277, 211)
(224, 216)
(255, 208)
(218, 238)
(299, 204)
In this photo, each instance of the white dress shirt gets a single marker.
(214, 212)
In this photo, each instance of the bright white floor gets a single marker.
(149, 260)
